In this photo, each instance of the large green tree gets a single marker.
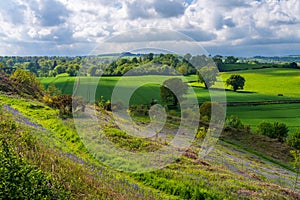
(208, 75)
(172, 91)
(236, 81)
(231, 60)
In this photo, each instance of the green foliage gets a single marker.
(206, 111)
(201, 133)
(230, 60)
(139, 110)
(59, 153)
(253, 115)
(183, 189)
(236, 81)
(294, 140)
(208, 75)
(172, 91)
(234, 122)
(52, 90)
(20, 180)
(28, 82)
(275, 130)
(65, 103)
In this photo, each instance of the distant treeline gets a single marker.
(117, 65)
(164, 64)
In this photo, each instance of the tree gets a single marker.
(280, 131)
(234, 122)
(2, 66)
(276, 130)
(28, 82)
(208, 75)
(206, 111)
(187, 57)
(230, 60)
(92, 70)
(296, 163)
(173, 90)
(294, 140)
(219, 62)
(236, 81)
(293, 65)
(52, 90)
(265, 128)
(10, 62)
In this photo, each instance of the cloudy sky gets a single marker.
(74, 27)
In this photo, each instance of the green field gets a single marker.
(271, 81)
(261, 85)
(253, 115)
(244, 66)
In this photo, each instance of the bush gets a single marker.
(294, 140)
(142, 110)
(65, 103)
(30, 85)
(234, 122)
(206, 109)
(276, 130)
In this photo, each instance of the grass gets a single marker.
(262, 85)
(189, 177)
(62, 151)
(244, 66)
(271, 81)
(253, 115)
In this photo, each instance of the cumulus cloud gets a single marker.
(50, 12)
(12, 11)
(68, 25)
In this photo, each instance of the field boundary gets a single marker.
(258, 103)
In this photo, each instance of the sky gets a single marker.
(74, 27)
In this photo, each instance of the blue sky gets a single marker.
(74, 27)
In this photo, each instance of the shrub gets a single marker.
(142, 110)
(234, 122)
(52, 90)
(28, 82)
(294, 140)
(201, 133)
(280, 131)
(65, 103)
(206, 111)
(276, 130)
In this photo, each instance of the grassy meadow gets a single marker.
(262, 85)
(221, 175)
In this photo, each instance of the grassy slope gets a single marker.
(190, 177)
(261, 85)
(62, 154)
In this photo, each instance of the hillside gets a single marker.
(228, 172)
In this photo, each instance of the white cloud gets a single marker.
(66, 25)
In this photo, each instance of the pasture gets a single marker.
(261, 85)
(253, 115)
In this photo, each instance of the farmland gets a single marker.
(242, 163)
(262, 86)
